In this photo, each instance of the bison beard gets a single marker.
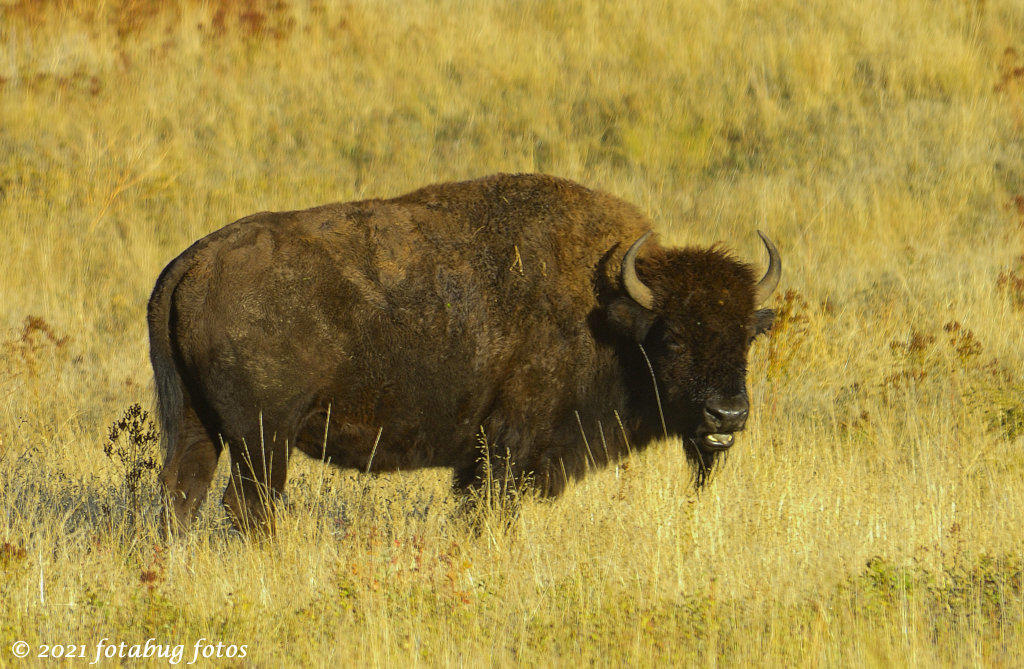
(526, 307)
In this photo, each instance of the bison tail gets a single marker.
(170, 393)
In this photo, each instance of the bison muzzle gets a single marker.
(394, 333)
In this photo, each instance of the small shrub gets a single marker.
(132, 446)
(37, 340)
(1010, 282)
(11, 556)
(1015, 207)
(153, 574)
(912, 357)
(963, 342)
(1011, 72)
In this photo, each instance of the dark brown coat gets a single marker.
(493, 304)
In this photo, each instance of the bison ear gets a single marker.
(764, 319)
(629, 319)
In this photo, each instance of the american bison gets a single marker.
(524, 307)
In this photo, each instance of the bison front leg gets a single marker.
(187, 473)
(258, 475)
(490, 491)
(553, 468)
(489, 496)
(497, 473)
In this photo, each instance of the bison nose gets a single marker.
(726, 414)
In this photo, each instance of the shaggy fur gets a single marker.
(491, 304)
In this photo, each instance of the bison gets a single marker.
(394, 333)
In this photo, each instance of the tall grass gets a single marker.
(872, 513)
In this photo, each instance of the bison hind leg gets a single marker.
(259, 470)
(187, 473)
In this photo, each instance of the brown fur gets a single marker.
(494, 303)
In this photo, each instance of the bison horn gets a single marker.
(634, 286)
(770, 281)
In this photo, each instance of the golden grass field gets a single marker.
(872, 513)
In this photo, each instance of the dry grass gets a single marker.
(872, 513)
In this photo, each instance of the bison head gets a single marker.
(695, 313)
